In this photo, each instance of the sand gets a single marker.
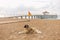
(9, 29)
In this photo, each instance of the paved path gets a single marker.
(3, 21)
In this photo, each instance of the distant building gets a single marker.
(46, 16)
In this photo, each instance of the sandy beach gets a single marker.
(9, 29)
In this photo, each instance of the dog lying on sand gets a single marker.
(29, 30)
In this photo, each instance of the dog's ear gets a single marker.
(26, 26)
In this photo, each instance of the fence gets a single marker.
(37, 17)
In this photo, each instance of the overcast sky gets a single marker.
(21, 7)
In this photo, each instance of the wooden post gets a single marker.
(31, 17)
(21, 17)
(25, 17)
(34, 17)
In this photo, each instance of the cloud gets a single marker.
(10, 3)
(20, 7)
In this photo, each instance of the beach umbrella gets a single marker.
(29, 13)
